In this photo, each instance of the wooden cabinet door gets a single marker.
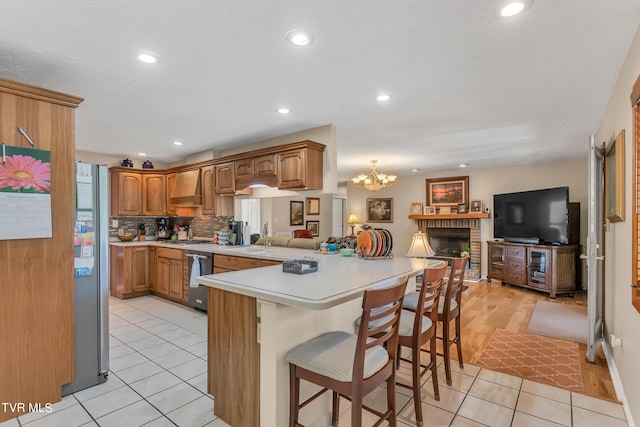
(175, 278)
(208, 190)
(162, 284)
(291, 169)
(129, 197)
(224, 206)
(264, 166)
(139, 272)
(538, 272)
(243, 169)
(152, 269)
(171, 183)
(154, 195)
(224, 180)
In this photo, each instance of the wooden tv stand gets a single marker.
(545, 268)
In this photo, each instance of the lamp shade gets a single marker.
(353, 219)
(420, 247)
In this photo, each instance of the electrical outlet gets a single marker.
(114, 223)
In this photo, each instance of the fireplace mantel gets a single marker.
(474, 215)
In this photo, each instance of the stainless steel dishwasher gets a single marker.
(198, 294)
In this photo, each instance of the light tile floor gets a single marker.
(158, 378)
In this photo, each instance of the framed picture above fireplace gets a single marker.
(447, 191)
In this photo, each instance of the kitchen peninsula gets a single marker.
(257, 316)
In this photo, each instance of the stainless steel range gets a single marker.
(200, 264)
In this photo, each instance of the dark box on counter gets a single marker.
(300, 266)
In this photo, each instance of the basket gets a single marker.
(300, 266)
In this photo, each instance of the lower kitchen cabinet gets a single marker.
(128, 271)
(170, 274)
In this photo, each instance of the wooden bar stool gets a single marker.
(353, 365)
(448, 310)
(418, 328)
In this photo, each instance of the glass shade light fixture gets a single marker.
(374, 181)
(420, 247)
(352, 221)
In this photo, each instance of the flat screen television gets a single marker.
(539, 216)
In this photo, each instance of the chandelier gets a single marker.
(375, 181)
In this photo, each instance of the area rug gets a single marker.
(562, 321)
(534, 357)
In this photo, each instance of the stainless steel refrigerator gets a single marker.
(91, 237)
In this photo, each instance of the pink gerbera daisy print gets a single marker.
(25, 173)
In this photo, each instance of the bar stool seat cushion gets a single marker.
(332, 353)
(411, 299)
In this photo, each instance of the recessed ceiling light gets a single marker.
(142, 154)
(512, 8)
(283, 110)
(148, 57)
(463, 165)
(299, 37)
(383, 97)
(177, 143)
(414, 170)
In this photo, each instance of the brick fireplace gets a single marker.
(448, 237)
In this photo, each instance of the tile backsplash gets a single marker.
(202, 226)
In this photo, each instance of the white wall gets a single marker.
(621, 319)
(483, 184)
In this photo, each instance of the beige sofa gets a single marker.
(292, 242)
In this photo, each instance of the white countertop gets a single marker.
(338, 279)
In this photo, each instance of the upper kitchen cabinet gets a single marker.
(256, 170)
(224, 178)
(171, 183)
(137, 192)
(187, 190)
(208, 190)
(126, 193)
(154, 194)
(301, 168)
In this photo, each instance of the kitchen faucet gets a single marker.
(265, 234)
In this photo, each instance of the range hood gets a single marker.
(187, 190)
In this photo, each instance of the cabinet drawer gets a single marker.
(515, 278)
(513, 252)
(496, 270)
(170, 253)
(515, 264)
(235, 263)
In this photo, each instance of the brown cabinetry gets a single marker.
(208, 190)
(225, 263)
(256, 170)
(128, 275)
(170, 273)
(126, 193)
(154, 194)
(300, 169)
(550, 269)
(225, 179)
(171, 184)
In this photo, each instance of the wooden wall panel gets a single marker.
(37, 275)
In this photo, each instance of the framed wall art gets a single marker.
(314, 227)
(313, 205)
(614, 179)
(380, 210)
(448, 191)
(475, 206)
(416, 209)
(296, 213)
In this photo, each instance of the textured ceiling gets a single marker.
(466, 86)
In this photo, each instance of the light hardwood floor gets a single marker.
(487, 307)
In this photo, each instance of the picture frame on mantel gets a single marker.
(450, 192)
(614, 179)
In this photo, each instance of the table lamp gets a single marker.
(420, 247)
(352, 221)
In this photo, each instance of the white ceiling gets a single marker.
(465, 85)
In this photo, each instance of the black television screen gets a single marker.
(539, 216)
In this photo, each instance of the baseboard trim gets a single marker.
(617, 382)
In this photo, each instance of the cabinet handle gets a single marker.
(636, 287)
